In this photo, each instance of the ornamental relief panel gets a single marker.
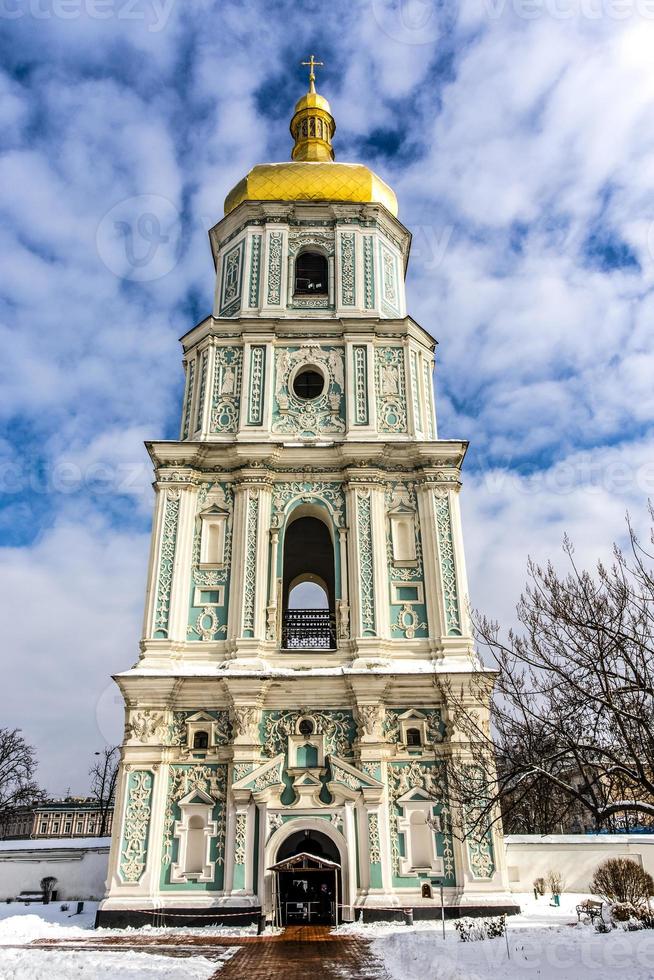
(166, 562)
(136, 829)
(429, 779)
(309, 417)
(183, 780)
(210, 586)
(147, 727)
(337, 727)
(390, 385)
(226, 395)
(408, 610)
(331, 494)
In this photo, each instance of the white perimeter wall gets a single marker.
(79, 867)
(575, 856)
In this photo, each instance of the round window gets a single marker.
(308, 383)
(306, 727)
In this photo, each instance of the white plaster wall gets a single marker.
(80, 871)
(575, 856)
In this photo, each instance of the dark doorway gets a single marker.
(308, 565)
(308, 881)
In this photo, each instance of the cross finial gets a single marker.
(312, 64)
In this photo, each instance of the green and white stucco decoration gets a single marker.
(221, 726)
(136, 826)
(415, 392)
(368, 273)
(366, 570)
(250, 578)
(286, 496)
(257, 375)
(275, 244)
(389, 281)
(226, 395)
(302, 417)
(360, 364)
(186, 423)
(390, 389)
(183, 779)
(427, 384)
(434, 726)
(348, 281)
(240, 838)
(448, 566)
(166, 562)
(232, 278)
(210, 587)
(255, 271)
(199, 409)
(338, 727)
(478, 829)
(428, 781)
(408, 611)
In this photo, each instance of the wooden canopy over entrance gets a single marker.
(290, 904)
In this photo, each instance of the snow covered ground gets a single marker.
(21, 924)
(543, 942)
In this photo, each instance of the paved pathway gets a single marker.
(298, 953)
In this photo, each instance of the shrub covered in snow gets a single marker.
(622, 880)
(472, 930)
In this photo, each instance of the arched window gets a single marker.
(308, 586)
(201, 740)
(413, 737)
(311, 274)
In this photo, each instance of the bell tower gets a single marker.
(307, 590)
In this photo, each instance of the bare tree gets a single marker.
(104, 776)
(571, 732)
(17, 768)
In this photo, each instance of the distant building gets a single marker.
(71, 817)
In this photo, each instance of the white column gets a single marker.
(155, 557)
(350, 839)
(179, 594)
(431, 562)
(380, 562)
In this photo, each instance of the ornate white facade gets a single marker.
(244, 725)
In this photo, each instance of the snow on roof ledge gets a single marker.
(593, 839)
(56, 844)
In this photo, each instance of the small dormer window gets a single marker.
(311, 274)
(413, 737)
(201, 740)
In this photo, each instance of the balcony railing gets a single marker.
(309, 629)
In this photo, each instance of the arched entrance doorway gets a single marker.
(308, 886)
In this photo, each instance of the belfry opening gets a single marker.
(308, 586)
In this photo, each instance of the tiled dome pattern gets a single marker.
(308, 181)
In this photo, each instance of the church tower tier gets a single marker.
(307, 598)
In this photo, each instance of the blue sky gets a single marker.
(518, 136)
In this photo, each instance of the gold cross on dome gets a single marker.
(312, 64)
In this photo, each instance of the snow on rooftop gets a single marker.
(55, 843)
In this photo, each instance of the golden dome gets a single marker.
(312, 174)
(312, 181)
